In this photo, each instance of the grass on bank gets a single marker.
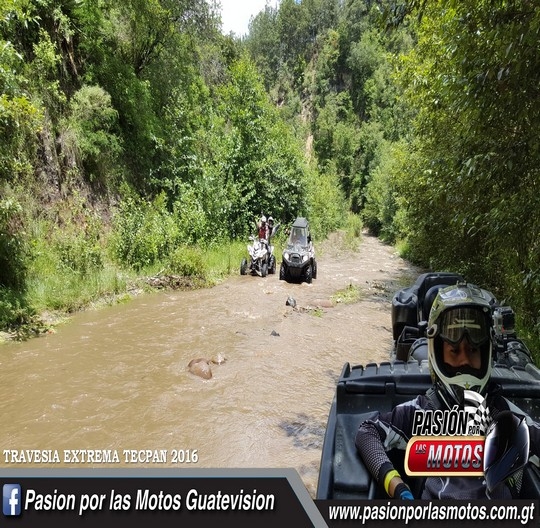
(54, 290)
(349, 295)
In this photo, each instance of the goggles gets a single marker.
(457, 323)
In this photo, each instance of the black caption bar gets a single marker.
(201, 498)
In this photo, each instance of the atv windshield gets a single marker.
(298, 236)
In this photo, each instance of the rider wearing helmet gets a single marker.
(459, 335)
(459, 341)
(262, 229)
(270, 227)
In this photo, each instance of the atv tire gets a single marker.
(243, 267)
(282, 272)
(272, 265)
(264, 269)
(309, 274)
(314, 269)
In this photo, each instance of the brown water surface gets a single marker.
(117, 377)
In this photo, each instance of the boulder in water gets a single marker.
(200, 367)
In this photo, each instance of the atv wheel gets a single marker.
(243, 267)
(264, 269)
(309, 274)
(272, 265)
(282, 272)
(314, 269)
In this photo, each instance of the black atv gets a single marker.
(299, 262)
(362, 390)
(410, 313)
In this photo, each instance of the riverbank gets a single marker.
(207, 268)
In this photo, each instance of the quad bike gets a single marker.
(363, 389)
(299, 262)
(261, 259)
(410, 313)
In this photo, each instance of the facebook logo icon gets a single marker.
(12, 499)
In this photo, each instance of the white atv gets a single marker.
(261, 258)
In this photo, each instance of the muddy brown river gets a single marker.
(116, 378)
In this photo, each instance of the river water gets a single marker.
(116, 378)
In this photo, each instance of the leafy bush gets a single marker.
(14, 311)
(77, 244)
(80, 255)
(191, 217)
(188, 262)
(144, 233)
(88, 131)
(354, 226)
(326, 203)
(381, 213)
(13, 248)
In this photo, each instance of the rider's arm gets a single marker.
(371, 448)
(381, 433)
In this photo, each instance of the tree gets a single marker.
(473, 78)
(265, 163)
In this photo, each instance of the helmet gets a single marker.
(263, 219)
(506, 448)
(460, 311)
(270, 220)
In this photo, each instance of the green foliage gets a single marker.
(43, 75)
(13, 246)
(187, 261)
(264, 165)
(283, 39)
(14, 310)
(264, 44)
(364, 59)
(327, 207)
(89, 128)
(19, 122)
(59, 278)
(349, 295)
(473, 171)
(78, 253)
(144, 233)
(354, 226)
(19, 116)
(195, 222)
(216, 262)
(382, 197)
(335, 113)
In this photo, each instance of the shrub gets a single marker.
(79, 255)
(14, 311)
(13, 247)
(188, 262)
(144, 233)
(88, 131)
